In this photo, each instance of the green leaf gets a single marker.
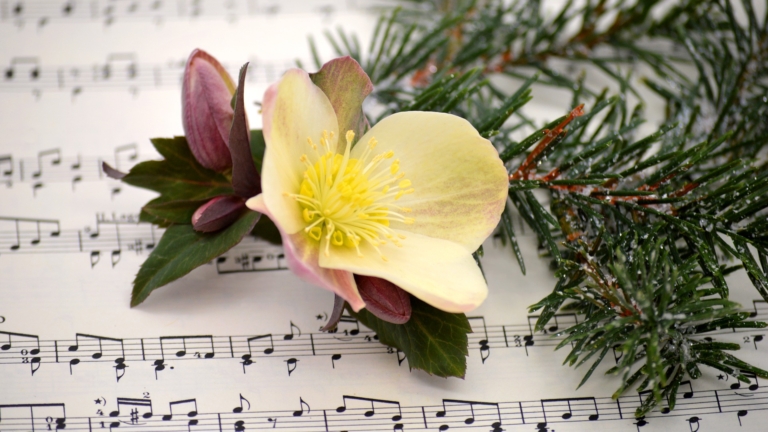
(432, 340)
(179, 177)
(171, 212)
(182, 249)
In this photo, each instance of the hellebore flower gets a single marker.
(408, 204)
(206, 95)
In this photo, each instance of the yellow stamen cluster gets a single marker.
(347, 201)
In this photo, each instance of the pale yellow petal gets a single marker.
(439, 272)
(293, 110)
(459, 183)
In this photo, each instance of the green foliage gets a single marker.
(182, 249)
(696, 187)
(432, 340)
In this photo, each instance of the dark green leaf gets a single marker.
(432, 340)
(179, 177)
(182, 249)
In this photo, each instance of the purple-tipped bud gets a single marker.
(384, 299)
(218, 213)
(206, 94)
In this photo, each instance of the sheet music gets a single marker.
(235, 345)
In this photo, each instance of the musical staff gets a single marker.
(44, 13)
(289, 348)
(365, 414)
(115, 235)
(118, 72)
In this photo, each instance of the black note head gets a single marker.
(192, 414)
(34, 351)
(167, 417)
(754, 387)
(96, 356)
(397, 418)
(742, 413)
(237, 410)
(567, 415)
(147, 415)
(269, 351)
(735, 386)
(483, 343)
(114, 413)
(74, 361)
(298, 413)
(341, 409)
(641, 423)
(114, 424)
(35, 360)
(758, 338)
(288, 337)
(693, 419)
(181, 353)
(369, 414)
(440, 414)
(5, 347)
(209, 355)
(542, 425)
(553, 328)
(469, 420)
(688, 395)
(665, 410)
(594, 417)
(398, 426)
(336, 356)
(73, 348)
(443, 428)
(192, 422)
(354, 332)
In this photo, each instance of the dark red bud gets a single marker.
(384, 299)
(218, 213)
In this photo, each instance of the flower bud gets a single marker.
(218, 213)
(206, 94)
(384, 299)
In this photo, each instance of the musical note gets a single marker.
(30, 65)
(334, 358)
(190, 407)
(294, 329)
(55, 155)
(239, 409)
(300, 412)
(587, 404)
(748, 374)
(291, 363)
(30, 348)
(182, 351)
(98, 353)
(740, 414)
(693, 421)
(145, 404)
(458, 405)
(485, 350)
(389, 408)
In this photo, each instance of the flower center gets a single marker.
(348, 201)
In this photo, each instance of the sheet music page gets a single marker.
(235, 345)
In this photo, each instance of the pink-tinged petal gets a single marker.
(459, 182)
(293, 110)
(207, 90)
(346, 85)
(384, 299)
(302, 258)
(218, 213)
(439, 272)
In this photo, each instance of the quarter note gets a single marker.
(291, 363)
(334, 358)
(740, 414)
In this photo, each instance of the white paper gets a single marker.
(235, 345)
